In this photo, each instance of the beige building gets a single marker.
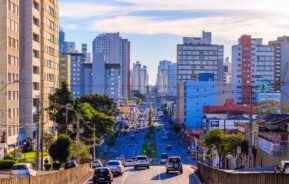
(64, 68)
(9, 74)
(39, 62)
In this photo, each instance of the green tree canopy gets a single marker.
(83, 152)
(60, 149)
(57, 107)
(101, 103)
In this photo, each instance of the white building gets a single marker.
(252, 68)
(140, 78)
(162, 78)
(227, 71)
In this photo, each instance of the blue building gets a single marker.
(196, 95)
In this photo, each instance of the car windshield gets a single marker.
(19, 167)
(129, 160)
(142, 158)
(113, 163)
(97, 171)
(175, 160)
(164, 156)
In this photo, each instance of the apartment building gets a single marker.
(64, 68)
(39, 62)
(252, 69)
(139, 80)
(162, 77)
(9, 74)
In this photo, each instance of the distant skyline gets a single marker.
(155, 27)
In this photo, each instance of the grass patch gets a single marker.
(154, 153)
(29, 157)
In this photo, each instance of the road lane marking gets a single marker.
(159, 174)
(125, 177)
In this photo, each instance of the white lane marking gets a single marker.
(159, 174)
(125, 177)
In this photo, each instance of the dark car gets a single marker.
(102, 175)
(174, 163)
(169, 147)
(70, 164)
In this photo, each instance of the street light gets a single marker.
(13, 82)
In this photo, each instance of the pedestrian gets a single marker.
(46, 161)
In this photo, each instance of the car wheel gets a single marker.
(135, 167)
(148, 167)
(181, 171)
(168, 171)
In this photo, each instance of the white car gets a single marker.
(96, 164)
(115, 166)
(142, 161)
(22, 170)
(283, 167)
(129, 163)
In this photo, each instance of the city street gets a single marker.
(157, 173)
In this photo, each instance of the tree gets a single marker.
(60, 149)
(268, 107)
(137, 94)
(83, 152)
(48, 139)
(103, 123)
(165, 109)
(57, 107)
(100, 103)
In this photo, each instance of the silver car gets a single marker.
(22, 170)
(115, 166)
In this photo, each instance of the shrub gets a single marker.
(23, 160)
(6, 164)
(48, 167)
(56, 165)
(9, 156)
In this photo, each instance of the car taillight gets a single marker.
(94, 175)
(108, 174)
(119, 166)
(27, 171)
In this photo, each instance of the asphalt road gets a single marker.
(156, 174)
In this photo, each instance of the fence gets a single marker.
(211, 175)
(69, 176)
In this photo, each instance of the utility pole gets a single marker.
(66, 116)
(77, 137)
(250, 152)
(94, 140)
(37, 134)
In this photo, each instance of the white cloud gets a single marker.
(223, 27)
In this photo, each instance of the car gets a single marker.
(102, 175)
(70, 164)
(122, 159)
(169, 147)
(283, 167)
(129, 163)
(142, 161)
(115, 166)
(164, 158)
(96, 164)
(22, 170)
(174, 163)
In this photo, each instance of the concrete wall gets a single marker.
(70, 176)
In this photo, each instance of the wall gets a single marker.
(70, 176)
(210, 175)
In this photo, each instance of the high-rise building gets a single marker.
(172, 80)
(227, 71)
(252, 68)
(281, 70)
(195, 56)
(162, 78)
(64, 68)
(38, 62)
(64, 46)
(198, 55)
(111, 57)
(9, 74)
(139, 80)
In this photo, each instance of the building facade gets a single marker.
(227, 71)
(140, 78)
(9, 75)
(39, 62)
(172, 80)
(162, 77)
(252, 68)
(281, 75)
(64, 68)
(111, 55)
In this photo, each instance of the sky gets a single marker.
(155, 27)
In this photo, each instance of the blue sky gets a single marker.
(155, 27)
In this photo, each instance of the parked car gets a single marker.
(164, 158)
(283, 167)
(116, 167)
(169, 147)
(129, 163)
(102, 175)
(70, 164)
(122, 159)
(174, 163)
(96, 164)
(142, 161)
(22, 170)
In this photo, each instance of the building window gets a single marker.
(36, 70)
(35, 86)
